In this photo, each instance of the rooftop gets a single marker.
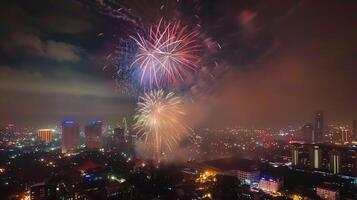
(233, 163)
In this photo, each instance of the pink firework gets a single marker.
(168, 54)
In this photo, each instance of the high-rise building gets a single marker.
(45, 135)
(306, 133)
(119, 136)
(325, 158)
(319, 127)
(123, 140)
(315, 157)
(10, 128)
(94, 135)
(270, 184)
(344, 135)
(300, 156)
(354, 130)
(70, 136)
(335, 159)
(348, 162)
(38, 191)
(248, 176)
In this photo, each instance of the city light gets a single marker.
(178, 99)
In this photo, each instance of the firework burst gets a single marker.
(159, 121)
(167, 54)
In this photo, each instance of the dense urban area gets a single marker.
(99, 162)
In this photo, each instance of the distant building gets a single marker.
(319, 127)
(10, 128)
(344, 135)
(70, 136)
(45, 135)
(11, 132)
(38, 191)
(269, 184)
(307, 133)
(354, 130)
(119, 136)
(328, 193)
(94, 135)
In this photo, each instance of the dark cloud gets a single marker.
(47, 15)
(66, 24)
(66, 83)
(33, 45)
(280, 60)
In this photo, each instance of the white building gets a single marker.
(247, 177)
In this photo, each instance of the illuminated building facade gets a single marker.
(300, 155)
(327, 193)
(344, 135)
(319, 127)
(45, 135)
(70, 136)
(335, 161)
(325, 158)
(315, 154)
(247, 177)
(271, 184)
(94, 135)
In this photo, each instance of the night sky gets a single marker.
(283, 60)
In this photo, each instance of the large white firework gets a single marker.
(159, 121)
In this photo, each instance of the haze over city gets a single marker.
(289, 58)
(178, 99)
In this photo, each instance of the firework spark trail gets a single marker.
(159, 121)
(168, 53)
(114, 9)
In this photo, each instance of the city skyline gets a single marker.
(178, 100)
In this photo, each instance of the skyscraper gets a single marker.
(306, 133)
(335, 161)
(119, 136)
(38, 191)
(70, 135)
(344, 135)
(94, 135)
(45, 135)
(354, 130)
(315, 157)
(319, 127)
(300, 156)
